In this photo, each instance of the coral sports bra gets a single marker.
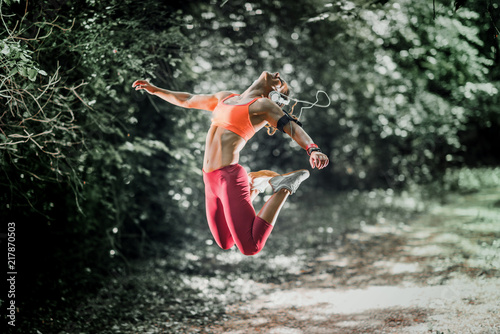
(234, 118)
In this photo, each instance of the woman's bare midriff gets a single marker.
(222, 148)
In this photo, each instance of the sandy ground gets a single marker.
(436, 274)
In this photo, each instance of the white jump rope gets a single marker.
(284, 100)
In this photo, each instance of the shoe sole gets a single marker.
(287, 183)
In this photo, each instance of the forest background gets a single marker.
(96, 176)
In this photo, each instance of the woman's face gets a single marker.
(276, 82)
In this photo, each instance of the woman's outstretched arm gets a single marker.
(182, 99)
(274, 113)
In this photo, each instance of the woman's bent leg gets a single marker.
(230, 213)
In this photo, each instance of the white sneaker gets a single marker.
(260, 180)
(290, 181)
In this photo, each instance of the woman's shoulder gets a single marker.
(264, 105)
(223, 95)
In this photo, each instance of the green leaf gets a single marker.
(32, 74)
(25, 57)
(5, 50)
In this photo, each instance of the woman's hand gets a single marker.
(318, 160)
(143, 84)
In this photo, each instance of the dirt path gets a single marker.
(437, 274)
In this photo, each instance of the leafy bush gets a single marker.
(92, 173)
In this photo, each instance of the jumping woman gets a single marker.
(229, 190)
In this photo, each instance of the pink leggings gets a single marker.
(230, 214)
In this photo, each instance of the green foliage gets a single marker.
(38, 131)
(100, 140)
(406, 88)
(16, 58)
(471, 179)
